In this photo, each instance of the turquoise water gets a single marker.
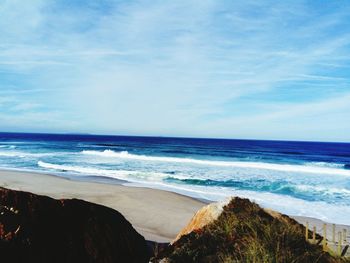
(298, 178)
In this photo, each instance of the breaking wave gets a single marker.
(316, 169)
(116, 174)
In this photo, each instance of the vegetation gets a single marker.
(244, 232)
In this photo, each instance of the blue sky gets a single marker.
(232, 69)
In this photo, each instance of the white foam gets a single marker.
(331, 212)
(298, 187)
(85, 170)
(324, 164)
(24, 154)
(235, 164)
(324, 190)
(135, 176)
(334, 213)
(13, 154)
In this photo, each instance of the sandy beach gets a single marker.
(158, 215)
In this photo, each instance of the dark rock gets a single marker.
(38, 229)
(241, 231)
(156, 248)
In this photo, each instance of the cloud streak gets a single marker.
(179, 68)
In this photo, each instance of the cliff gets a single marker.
(38, 229)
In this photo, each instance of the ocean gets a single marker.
(296, 178)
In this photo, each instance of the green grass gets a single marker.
(246, 233)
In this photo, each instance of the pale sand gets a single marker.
(156, 214)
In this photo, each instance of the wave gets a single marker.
(136, 176)
(8, 146)
(24, 154)
(14, 154)
(280, 187)
(310, 192)
(325, 164)
(294, 206)
(323, 190)
(235, 164)
(85, 170)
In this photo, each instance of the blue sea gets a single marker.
(296, 178)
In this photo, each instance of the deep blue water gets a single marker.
(299, 178)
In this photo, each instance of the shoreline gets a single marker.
(158, 215)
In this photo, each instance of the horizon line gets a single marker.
(170, 137)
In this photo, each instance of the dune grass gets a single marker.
(244, 232)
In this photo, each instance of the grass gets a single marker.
(244, 232)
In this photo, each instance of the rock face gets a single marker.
(211, 212)
(241, 231)
(203, 217)
(38, 229)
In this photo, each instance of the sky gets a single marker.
(206, 68)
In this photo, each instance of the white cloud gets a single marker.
(173, 67)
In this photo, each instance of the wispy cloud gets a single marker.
(195, 68)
